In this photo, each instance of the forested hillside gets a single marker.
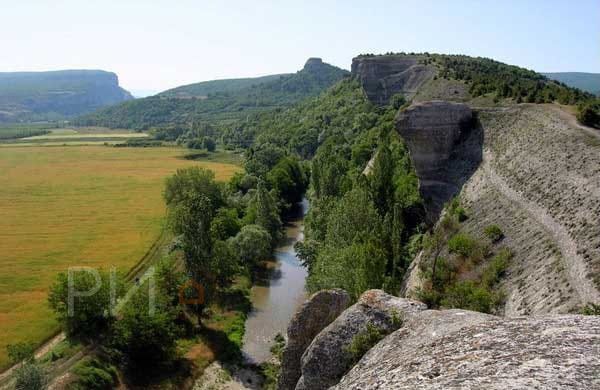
(207, 88)
(40, 96)
(225, 106)
(589, 82)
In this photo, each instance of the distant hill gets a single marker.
(206, 88)
(220, 101)
(38, 96)
(589, 82)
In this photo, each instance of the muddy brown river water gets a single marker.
(276, 298)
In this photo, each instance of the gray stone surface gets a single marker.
(384, 76)
(315, 314)
(445, 146)
(456, 349)
(326, 360)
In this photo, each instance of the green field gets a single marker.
(88, 205)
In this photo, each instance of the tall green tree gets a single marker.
(267, 212)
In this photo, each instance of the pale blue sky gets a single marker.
(158, 44)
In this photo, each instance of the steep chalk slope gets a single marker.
(548, 168)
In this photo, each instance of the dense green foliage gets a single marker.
(146, 336)
(21, 131)
(506, 81)
(223, 106)
(94, 374)
(91, 298)
(358, 226)
(32, 96)
(460, 271)
(30, 376)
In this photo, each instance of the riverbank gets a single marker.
(275, 298)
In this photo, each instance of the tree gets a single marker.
(353, 218)
(209, 144)
(225, 224)
(145, 338)
(224, 262)
(381, 179)
(267, 212)
(288, 179)
(90, 311)
(355, 268)
(253, 244)
(190, 182)
(191, 219)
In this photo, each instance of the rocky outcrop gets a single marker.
(384, 76)
(315, 314)
(445, 145)
(456, 349)
(327, 359)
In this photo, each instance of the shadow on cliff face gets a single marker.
(445, 141)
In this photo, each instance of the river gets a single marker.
(278, 295)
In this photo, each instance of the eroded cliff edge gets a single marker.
(449, 349)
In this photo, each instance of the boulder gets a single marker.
(456, 349)
(445, 146)
(326, 360)
(384, 76)
(314, 315)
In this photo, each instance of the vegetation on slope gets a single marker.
(42, 96)
(589, 82)
(208, 88)
(219, 107)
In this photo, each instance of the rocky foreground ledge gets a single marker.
(440, 349)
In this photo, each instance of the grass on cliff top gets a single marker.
(64, 206)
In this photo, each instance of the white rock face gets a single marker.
(455, 349)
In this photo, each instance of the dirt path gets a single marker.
(575, 264)
(572, 121)
(139, 271)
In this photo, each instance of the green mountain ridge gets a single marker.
(206, 88)
(589, 82)
(54, 95)
(228, 100)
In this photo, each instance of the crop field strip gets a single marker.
(62, 206)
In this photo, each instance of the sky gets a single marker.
(154, 45)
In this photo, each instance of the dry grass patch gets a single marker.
(64, 206)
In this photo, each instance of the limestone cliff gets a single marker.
(447, 349)
(445, 146)
(384, 76)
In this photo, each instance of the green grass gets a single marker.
(63, 206)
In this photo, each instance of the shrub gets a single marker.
(588, 116)
(30, 376)
(497, 266)
(591, 309)
(494, 233)
(94, 375)
(464, 245)
(20, 351)
(363, 342)
(467, 295)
